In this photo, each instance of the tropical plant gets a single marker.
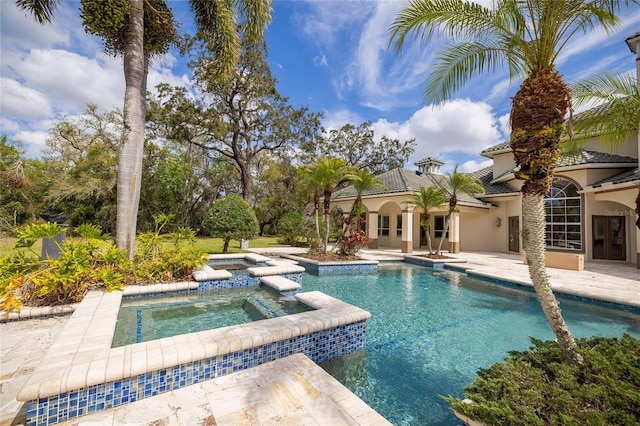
(310, 182)
(330, 172)
(456, 183)
(89, 260)
(232, 218)
(82, 262)
(363, 180)
(425, 199)
(527, 37)
(616, 114)
(138, 29)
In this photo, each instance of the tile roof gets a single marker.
(486, 176)
(403, 180)
(624, 177)
(500, 147)
(585, 156)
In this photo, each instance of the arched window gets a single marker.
(563, 209)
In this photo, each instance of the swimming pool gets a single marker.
(431, 331)
(141, 319)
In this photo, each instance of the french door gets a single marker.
(609, 238)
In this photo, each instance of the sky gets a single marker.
(328, 55)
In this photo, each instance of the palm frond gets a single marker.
(617, 114)
(257, 16)
(457, 64)
(42, 10)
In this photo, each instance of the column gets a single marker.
(407, 231)
(373, 230)
(454, 233)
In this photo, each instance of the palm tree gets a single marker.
(616, 117)
(527, 36)
(426, 199)
(144, 28)
(330, 172)
(311, 183)
(362, 181)
(456, 183)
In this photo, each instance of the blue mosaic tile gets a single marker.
(346, 268)
(320, 346)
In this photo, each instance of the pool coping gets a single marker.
(82, 355)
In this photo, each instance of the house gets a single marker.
(590, 209)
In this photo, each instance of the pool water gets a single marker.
(431, 331)
(148, 318)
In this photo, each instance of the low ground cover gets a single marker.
(539, 387)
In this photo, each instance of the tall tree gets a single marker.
(526, 36)
(455, 184)
(24, 183)
(311, 183)
(358, 148)
(138, 29)
(246, 116)
(426, 199)
(330, 173)
(82, 158)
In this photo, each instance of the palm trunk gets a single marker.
(327, 206)
(131, 152)
(316, 205)
(537, 120)
(533, 234)
(427, 233)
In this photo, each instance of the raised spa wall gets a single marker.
(82, 373)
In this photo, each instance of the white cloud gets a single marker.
(473, 165)
(21, 31)
(459, 126)
(72, 80)
(320, 61)
(338, 118)
(22, 103)
(505, 125)
(33, 141)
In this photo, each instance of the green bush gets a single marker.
(232, 218)
(538, 387)
(290, 228)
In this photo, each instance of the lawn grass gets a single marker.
(208, 244)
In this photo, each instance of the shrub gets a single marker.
(232, 218)
(352, 239)
(167, 257)
(290, 228)
(538, 387)
(89, 260)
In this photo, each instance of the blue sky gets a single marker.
(330, 56)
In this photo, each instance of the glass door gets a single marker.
(609, 238)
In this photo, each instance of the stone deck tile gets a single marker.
(282, 392)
